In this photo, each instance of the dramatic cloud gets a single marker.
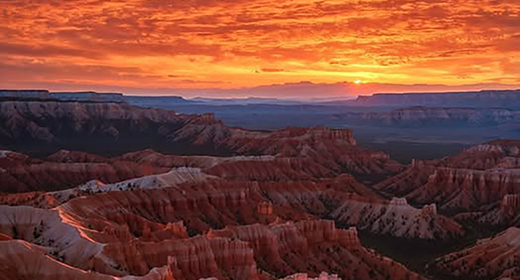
(160, 44)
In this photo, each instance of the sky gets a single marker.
(239, 48)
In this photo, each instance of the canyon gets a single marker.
(92, 187)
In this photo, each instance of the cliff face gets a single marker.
(493, 258)
(501, 215)
(190, 259)
(412, 178)
(504, 154)
(504, 98)
(10, 158)
(289, 247)
(397, 218)
(46, 228)
(92, 126)
(432, 117)
(50, 176)
(23, 260)
(466, 189)
(479, 176)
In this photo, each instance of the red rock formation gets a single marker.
(477, 177)
(479, 99)
(201, 206)
(74, 124)
(64, 156)
(282, 169)
(89, 233)
(190, 259)
(510, 203)
(505, 214)
(431, 117)
(492, 258)
(312, 246)
(292, 154)
(22, 260)
(9, 159)
(37, 199)
(462, 189)
(78, 126)
(55, 176)
(499, 153)
(265, 212)
(315, 197)
(396, 218)
(412, 178)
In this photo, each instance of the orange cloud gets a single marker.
(160, 44)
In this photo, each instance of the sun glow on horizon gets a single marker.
(204, 44)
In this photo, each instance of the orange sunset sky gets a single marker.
(204, 46)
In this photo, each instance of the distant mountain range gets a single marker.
(79, 96)
(486, 98)
(509, 99)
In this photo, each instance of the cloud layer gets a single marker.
(160, 44)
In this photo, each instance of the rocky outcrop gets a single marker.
(412, 178)
(279, 169)
(10, 158)
(174, 177)
(492, 258)
(114, 250)
(463, 189)
(37, 199)
(64, 156)
(502, 154)
(47, 228)
(189, 259)
(283, 248)
(23, 260)
(396, 218)
(66, 169)
(499, 216)
(478, 177)
(510, 203)
(49, 176)
(317, 198)
(212, 204)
